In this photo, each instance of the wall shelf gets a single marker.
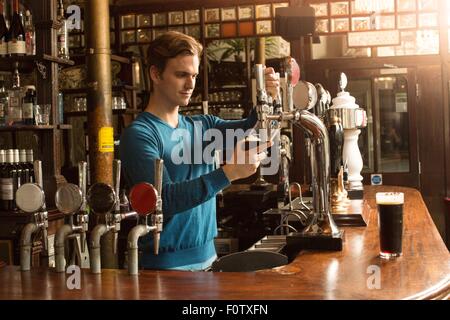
(32, 128)
(84, 89)
(115, 111)
(27, 63)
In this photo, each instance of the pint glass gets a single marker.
(390, 223)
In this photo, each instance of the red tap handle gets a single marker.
(143, 197)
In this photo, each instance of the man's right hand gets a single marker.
(245, 162)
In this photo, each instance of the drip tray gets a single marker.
(273, 243)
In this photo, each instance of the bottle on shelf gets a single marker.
(28, 102)
(2, 160)
(4, 103)
(30, 164)
(16, 33)
(62, 34)
(14, 115)
(3, 32)
(17, 182)
(25, 175)
(7, 177)
(30, 34)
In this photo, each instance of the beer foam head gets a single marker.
(390, 197)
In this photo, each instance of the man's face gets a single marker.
(177, 81)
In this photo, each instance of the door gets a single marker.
(388, 144)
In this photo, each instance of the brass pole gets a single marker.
(99, 115)
(260, 51)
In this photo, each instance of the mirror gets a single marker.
(68, 198)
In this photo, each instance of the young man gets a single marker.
(189, 188)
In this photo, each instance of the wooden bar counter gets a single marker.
(423, 272)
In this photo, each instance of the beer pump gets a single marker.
(70, 199)
(352, 118)
(146, 200)
(336, 136)
(322, 232)
(103, 199)
(344, 120)
(30, 198)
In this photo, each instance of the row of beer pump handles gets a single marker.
(308, 106)
(270, 119)
(102, 199)
(146, 201)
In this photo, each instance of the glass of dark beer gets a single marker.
(390, 223)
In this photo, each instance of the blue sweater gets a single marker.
(188, 191)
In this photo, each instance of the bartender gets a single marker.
(189, 188)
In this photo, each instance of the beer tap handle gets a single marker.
(262, 108)
(159, 166)
(117, 164)
(158, 216)
(37, 164)
(38, 173)
(260, 84)
(82, 181)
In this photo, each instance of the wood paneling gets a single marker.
(430, 122)
(423, 272)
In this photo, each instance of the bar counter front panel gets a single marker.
(423, 272)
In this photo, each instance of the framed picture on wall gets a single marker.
(340, 25)
(144, 20)
(212, 15)
(245, 12)
(192, 16)
(262, 11)
(212, 30)
(339, 8)
(159, 19)
(193, 31)
(361, 23)
(321, 9)
(322, 25)
(228, 14)
(264, 27)
(175, 17)
(127, 21)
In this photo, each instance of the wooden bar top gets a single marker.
(423, 272)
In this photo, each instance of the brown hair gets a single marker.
(169, 45)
